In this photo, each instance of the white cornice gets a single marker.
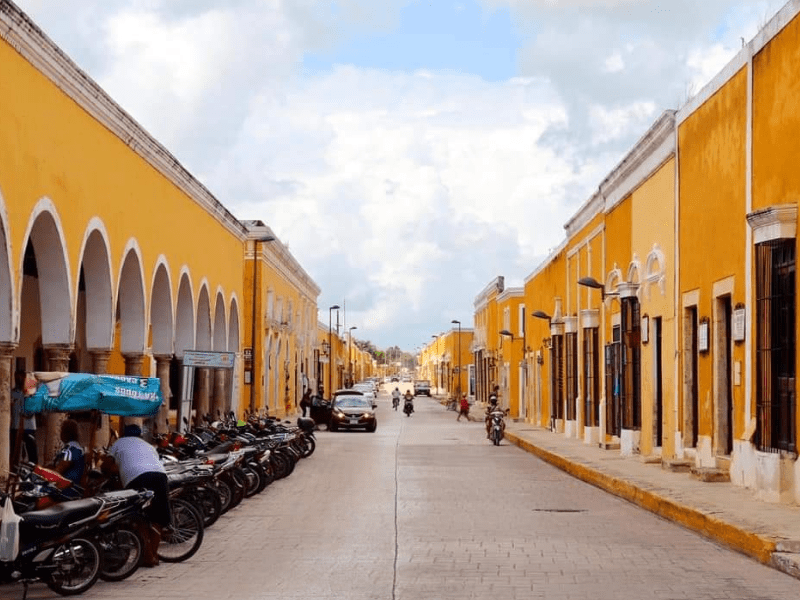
(496, 285)
(590, 209)
(781, 19)
(509, 293)
(651, 151)
(773, 223)
(43, 54)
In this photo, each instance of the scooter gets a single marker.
(497, 427)
(408, 407)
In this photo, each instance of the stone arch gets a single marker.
(94, 278)
(161, 317)
(50, 264)
(233, 325)
(8, 332)
(277, 370)
(130, 301)
(634, 270)
(220, 333)
(184, 315)
(655, 271)
(203, 328)
(613, 279)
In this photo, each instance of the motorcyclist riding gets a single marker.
(408, 407)
(396, 398)
(489, 409)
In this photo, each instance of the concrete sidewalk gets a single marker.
(720, 511)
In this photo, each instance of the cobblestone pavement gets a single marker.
(427, 508)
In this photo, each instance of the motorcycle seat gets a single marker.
(59, 515)
(306, 423)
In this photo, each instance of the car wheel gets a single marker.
(372, 428)
(332, 426)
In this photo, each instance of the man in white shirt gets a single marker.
(139, 467)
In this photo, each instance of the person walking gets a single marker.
(139, 467)
(464, 409)
(305, 401)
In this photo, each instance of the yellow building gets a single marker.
(510, 355)
(667, 318)
(113, 258)
(486, 342)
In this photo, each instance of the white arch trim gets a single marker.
(45, 205)
(9, 331)
(96, 225)
(655, 271)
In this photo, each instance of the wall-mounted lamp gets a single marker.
(591, 282)
(540, 314)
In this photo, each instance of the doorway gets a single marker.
(723, 375)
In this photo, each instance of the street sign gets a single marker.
(247, 353)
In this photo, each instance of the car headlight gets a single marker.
(367, 415)
(339, 414)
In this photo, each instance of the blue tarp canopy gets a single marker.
(121, 395)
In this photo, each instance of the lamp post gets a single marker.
(458, 383)
(591, 282)
(256, 242)
(330, 345)
(350, 352)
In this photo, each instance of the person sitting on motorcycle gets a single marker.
(409, 399)
(489, 410)
(396, 398)
(70, 461)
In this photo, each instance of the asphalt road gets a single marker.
(427, 508)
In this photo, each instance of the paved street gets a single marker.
(427, 508)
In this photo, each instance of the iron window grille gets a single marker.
(572, 374)
(591, 392)
(775, 299)
(557, 377)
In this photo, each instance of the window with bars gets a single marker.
(775, 327)
(591, 402)
(630, 397)
(557, 377)
(572, 373)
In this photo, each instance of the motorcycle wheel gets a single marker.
(496, 437)
(253, 481)
(184, 535)
(311, 445)
(122, 553)
(209, 502)
(75, 567)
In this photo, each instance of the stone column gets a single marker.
(6, 356)
(220, 401)
(133, 366)
(100, 367)
(57, 360)
(202, 386)
(162, 372)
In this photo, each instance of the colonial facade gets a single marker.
(665, 324)
(114, 258)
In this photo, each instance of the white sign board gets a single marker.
(739, 324)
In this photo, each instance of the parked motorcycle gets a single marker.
(62, 545)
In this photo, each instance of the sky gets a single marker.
(407, 152)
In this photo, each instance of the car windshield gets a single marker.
(352, 402)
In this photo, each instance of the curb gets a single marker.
(736, 538)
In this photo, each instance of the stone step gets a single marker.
(711, 475)
(677, 465)
(652, 459)
(609, 445)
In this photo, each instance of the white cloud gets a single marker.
(404, 193)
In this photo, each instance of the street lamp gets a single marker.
(256, 242)
(330, 345)
(458, 384)
(591, 282)
(350, 352)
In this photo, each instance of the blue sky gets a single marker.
(442, 35)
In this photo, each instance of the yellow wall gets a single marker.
(652, 218)
(50, 147)
(712, 154)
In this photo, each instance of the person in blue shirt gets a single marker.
(70, 461)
